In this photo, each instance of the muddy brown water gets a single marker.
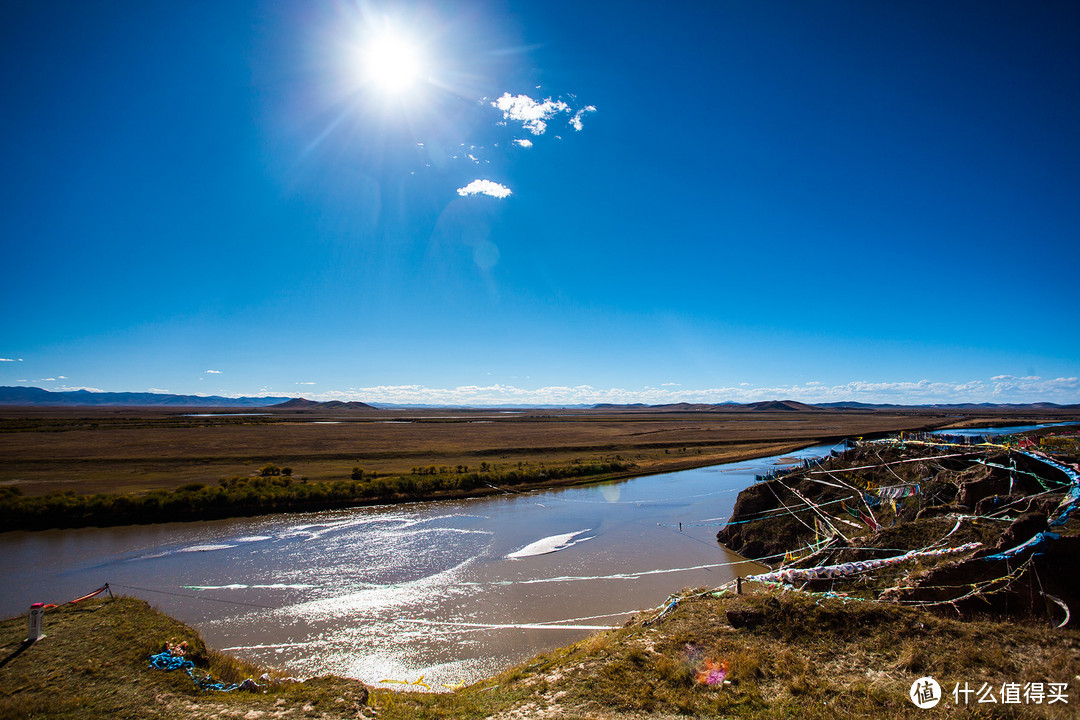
(452, 591)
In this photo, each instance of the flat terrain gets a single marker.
(120, 450)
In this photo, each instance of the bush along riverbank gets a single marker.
(274, 489)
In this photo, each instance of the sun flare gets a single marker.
(392, 63)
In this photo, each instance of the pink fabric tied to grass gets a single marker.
(712, 672)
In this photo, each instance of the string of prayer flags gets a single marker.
(793, 575)
(896, 492)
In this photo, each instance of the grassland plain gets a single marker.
(85, 466)
(92, 450)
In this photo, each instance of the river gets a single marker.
(451, 590)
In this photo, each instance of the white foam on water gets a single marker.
(252, 538)
(204, 548)
(238, 586)
(266, 647)
(550, 544)
(512, 626)
(373, 599)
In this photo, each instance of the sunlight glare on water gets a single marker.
(452, 590)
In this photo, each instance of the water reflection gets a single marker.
(450, 590)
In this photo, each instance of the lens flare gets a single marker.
(392, 62)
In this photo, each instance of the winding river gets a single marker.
(450, 590)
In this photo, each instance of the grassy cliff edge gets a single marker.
(781, 654)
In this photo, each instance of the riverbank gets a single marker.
(944, 522)
(763, 656)
(275, 490)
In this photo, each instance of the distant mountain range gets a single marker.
(302, 404)
(764, 406)
(952, 406)
(37, 396)
(795, 406)
(29, 396)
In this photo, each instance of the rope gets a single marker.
(100, 590)
(777, 496)
(168, 662)
(197, 597)
(894, 462)
(822, 515)
(870, 513)
(977, 589)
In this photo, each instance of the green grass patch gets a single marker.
(274, 490)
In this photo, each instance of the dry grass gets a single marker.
(805, 657)
(89, 451)
(93, 663)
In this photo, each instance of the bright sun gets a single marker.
(392, 63)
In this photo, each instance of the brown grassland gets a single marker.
(123, 450)
(804, 657)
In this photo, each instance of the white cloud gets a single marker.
(1004, 390)
(532, 114)
(484, 187)
(305, 383)
(157, 390)
(61, 377)
(20, 359)
(670, 384)
(524, 142)
(65, 388)
(575, 121)
(1033, 387)
(213, 372)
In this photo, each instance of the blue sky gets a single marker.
(818, 201)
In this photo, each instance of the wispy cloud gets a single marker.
(20, 359)
(1001, 389)
(1033, 386)
(532, 114)
(305, 383)
(484, 187)
(524, 142)
(213, 372)
(575, 121)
